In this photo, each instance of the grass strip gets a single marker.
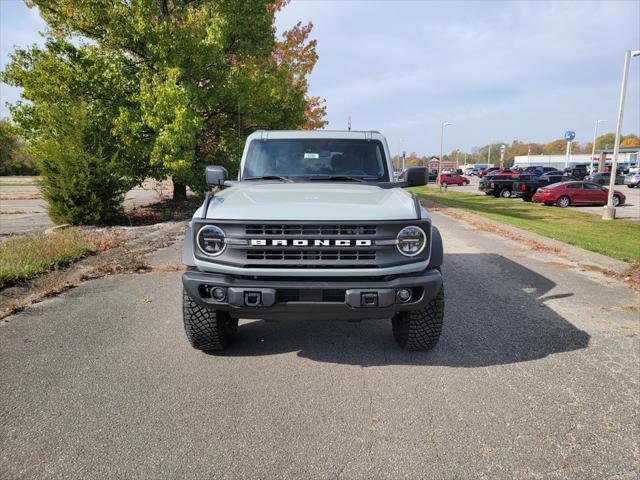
(618, 239)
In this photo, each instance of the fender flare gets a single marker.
(437, 250)
(187, 249)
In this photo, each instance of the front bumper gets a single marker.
(352, 299)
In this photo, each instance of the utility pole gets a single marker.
(503, 149)
(489, 156)
(609, 211)
(349, 123)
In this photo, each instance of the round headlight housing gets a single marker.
(210, 240)
(411, 241)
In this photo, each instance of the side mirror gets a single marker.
(416, 176)
(215, 175)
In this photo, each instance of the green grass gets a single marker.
(26, 256)
(618, 239)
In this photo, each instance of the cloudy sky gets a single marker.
(496, 70)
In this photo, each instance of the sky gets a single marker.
(497, 71)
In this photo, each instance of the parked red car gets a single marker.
(487, 171)
(576, 193)
(453, 179)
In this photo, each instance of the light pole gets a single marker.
(595, 135)
(489, 156)
(444, 124)
(503, 148)
(609, 211)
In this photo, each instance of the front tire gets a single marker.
(420, 329)
(563, 201)
(615, 200)
(207, 329)
(505, 193)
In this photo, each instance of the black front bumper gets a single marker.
(290, 298)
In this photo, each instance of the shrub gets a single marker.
(79, 181)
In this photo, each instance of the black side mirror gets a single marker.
(215, 175)
(416, 176)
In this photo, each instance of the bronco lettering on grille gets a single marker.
(307, 243)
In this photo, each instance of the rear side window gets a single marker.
(575, 186)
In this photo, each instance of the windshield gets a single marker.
(304, 158)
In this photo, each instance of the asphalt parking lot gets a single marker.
(535, 376)
(630, 210)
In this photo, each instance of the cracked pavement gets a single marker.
(536, 376)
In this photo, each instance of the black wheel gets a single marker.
(420, 329)
(505, 193)
(563, 201)
(527, 198)
(207, 329)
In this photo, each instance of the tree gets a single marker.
(630, 141)
(605, 141)
(14, 159)
(299, 53)
(176, 85)
(555, 147)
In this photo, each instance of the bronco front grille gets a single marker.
(334, 255)
(306, 230)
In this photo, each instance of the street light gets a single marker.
(444, 124)
(595, 135)
(609, 211)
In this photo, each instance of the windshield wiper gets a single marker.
(269, 177)
(341, 178)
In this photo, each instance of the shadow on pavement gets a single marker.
(494, 315)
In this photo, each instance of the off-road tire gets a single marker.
(207, 329)
(420, 329)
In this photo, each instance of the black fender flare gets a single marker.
(437, 250)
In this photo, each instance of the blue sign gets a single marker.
(569, 135)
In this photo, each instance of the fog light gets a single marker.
(218, 294)
(404, 294)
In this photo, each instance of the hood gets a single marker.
(311, 201)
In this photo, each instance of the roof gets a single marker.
(360, 134)
(621, 150)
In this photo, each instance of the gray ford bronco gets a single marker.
(313, 228)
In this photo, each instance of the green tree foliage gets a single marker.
(174, 85)
(14, 158)
(79, 180)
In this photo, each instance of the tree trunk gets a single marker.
(179, 190)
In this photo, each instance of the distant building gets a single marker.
(626, 156)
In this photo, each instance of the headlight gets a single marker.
(210, 240)
(411, 241)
